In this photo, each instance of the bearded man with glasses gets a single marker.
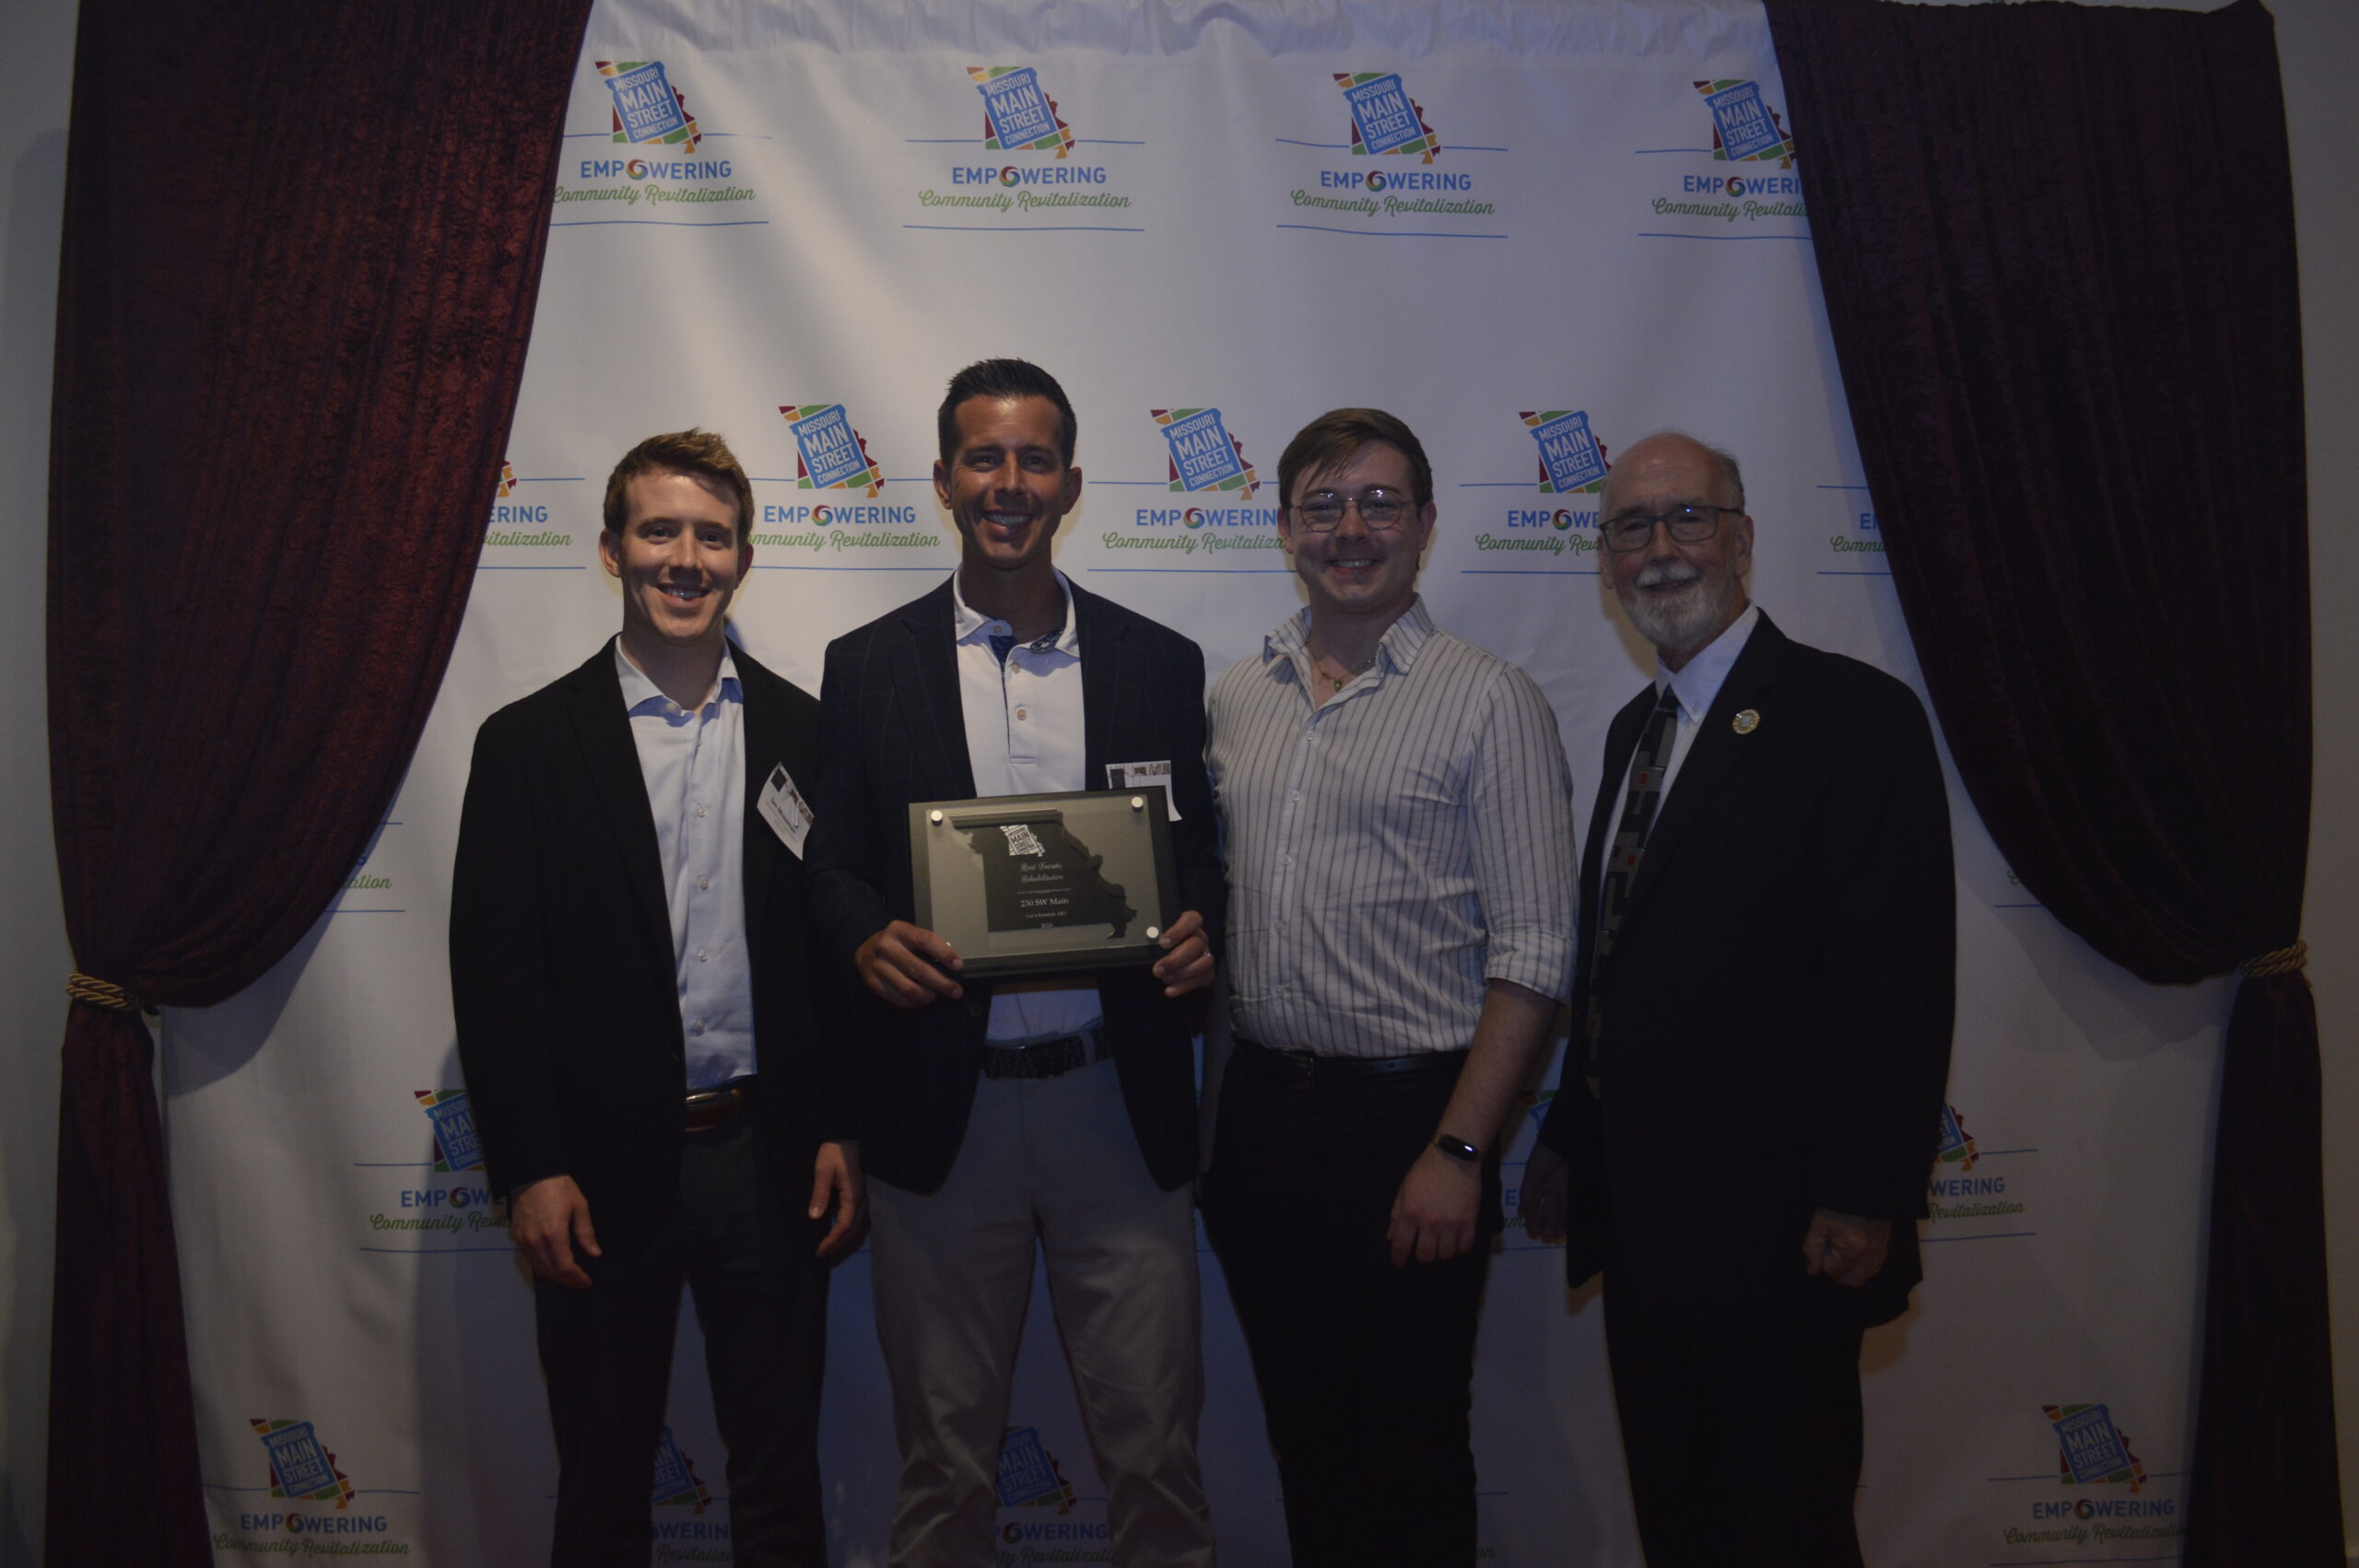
(1761, 1035)
(1398, 817)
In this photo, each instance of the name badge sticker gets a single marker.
(1130, 774)
(785, 809)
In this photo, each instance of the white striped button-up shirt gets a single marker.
(1391, 852)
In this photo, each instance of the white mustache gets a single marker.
(1667, 574)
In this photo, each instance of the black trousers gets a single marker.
(761, 1301)
(1758, 1436)
(1365, 1370)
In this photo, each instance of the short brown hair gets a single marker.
(693, 452)
(1003, 379)
(1329, 441)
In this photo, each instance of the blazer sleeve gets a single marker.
(1195, 837)
(848, 855)
(499, 978)
(1886, 911)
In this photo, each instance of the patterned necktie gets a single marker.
(1622, 860)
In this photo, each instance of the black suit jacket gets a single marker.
(562, 975)
(894, 732)
(1777, 1010)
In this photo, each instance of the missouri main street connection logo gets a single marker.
(1744, 128)
(1572, 460)
(1204, 456)
(1385, 119)
(301, 1470)
(1955, 1145)
(455, 1147)
(2090, 1449)
(648, 108)
(1018, 116)
(830, 454)
(1029, 1476)
(676, 1484)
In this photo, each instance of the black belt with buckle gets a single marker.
(1306, 1069)
(1045, 1056)
(709, 1109)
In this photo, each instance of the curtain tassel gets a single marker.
(2284, 961)
(94, 992)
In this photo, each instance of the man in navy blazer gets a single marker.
(1761, 1030)
(657, 1089)
(992, 1115)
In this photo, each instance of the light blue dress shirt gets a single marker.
(693, 760)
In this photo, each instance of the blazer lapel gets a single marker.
(1714, 754)
(1102, 682)
(764, 737)
(610, 759)
(926, 699)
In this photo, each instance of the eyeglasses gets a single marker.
(1686, 525)
(1380, 508)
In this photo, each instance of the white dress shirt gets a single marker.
(1391, 850)
(1696, 685)
(693, 761)
(1025, 737)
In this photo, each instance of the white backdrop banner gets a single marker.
(1535, 232)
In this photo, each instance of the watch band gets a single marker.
(1457, 1149)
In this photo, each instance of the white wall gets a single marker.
(2318, 41)
(33, 958)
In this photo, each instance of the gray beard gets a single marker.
(1686, 621)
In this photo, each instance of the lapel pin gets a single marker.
(1746, 722)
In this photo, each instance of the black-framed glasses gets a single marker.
(1686, 525)
(1378, 508)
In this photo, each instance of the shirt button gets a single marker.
(1295, 796)
(673, 708)
(1020, 713)
(704, 882)
(700, 955)
(700, 811)
(697, 1028)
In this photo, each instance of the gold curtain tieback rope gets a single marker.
(99, 993)
(2284, 961)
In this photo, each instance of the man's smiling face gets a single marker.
(680, 557)
(1006, 483)
(1352, 569)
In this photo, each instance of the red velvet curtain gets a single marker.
(2057, 245)
(302, 242)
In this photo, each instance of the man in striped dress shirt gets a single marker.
(1400, 844)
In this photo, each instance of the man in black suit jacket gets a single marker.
(993, 1113)
(1761, 1033)
(656, 1091)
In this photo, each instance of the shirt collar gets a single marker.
(1397, 647)
(968, 625)
(643, 696)
(1699, 681)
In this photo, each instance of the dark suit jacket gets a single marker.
(561, 967)
(894, 732)
(1776, 1009)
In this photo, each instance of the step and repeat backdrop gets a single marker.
(1536, 233)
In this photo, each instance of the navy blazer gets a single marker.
(1777, 1012)
(562, 977)
(893, 731)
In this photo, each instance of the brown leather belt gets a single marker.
(709, 1109)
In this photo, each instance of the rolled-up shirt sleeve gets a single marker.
(1519, 803)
